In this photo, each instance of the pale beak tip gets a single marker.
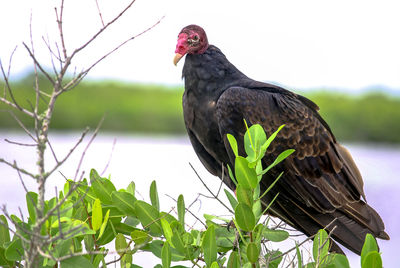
(177, 58)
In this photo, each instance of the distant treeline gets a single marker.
(370, 117)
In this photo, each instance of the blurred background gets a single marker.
(343, 55)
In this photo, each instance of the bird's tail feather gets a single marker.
(348, 226)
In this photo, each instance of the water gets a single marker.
(166, 160)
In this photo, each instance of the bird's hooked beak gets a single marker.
(177, 58)
(182, 47)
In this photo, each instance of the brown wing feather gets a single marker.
(321, 182)
(315, 163)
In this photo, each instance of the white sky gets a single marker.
(301, 44)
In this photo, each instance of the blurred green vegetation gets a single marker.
(130, 107)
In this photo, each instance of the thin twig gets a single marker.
(102, 29)
(109, 159)
(25, 111)
(19, 143)
(208, 189)
(60, 28)
(23, 126)
(191, 213)
(58, 164)
(87, 146)
(74, 82)
(52, 151)
(101, 16)
(5, 77)
(14, 166)
(36, 62)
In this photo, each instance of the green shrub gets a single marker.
(85, 217)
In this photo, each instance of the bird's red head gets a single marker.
(191, 40)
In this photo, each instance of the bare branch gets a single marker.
(58, 164)
(74, 82)
(109, 159)
(19, 143)
(102, 29)
(14, 166)
(208, 189)
(36, 62)
(25, 111)
(7, 84)
(52, 151)
(188, 210)
(101, 16)
(87, 147)
(23, 126)
(60, 29)
(47, 43)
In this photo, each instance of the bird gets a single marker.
(321, 186)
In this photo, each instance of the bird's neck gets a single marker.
(210, 73)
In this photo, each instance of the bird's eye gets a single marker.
(196, 37)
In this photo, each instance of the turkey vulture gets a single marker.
(321, 182)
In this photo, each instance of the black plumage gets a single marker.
(321, 181)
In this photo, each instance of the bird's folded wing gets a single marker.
(320, 173)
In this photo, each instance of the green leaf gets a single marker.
(177, 242)
(271, 138)
(181, 210)
(140, 237)
(14, 251)
(154, 196)
(131, 221)
(166, 229)
(253, 252)
(233, 261)
(254, 138)
(372, 260)
(231, 175)
(97, 215)
(166, 256)
(131, 188)
(271, 261)
(63, 247)
(102, 187)
(31, 201)
(187, 238)
(244, 195)
(257, 210)
(89, 242)
(3, 261)
(369, 245)
(339, 261)
(120, 244)
(245, 175)
(126, 261)
(275, 235)
(320, 246)
(209, 246)
(104, 224)
(4, 232)
(232, 200)
(244, 217)
(299, 258)
(76, 262)
(109, 234)
(282, 156)
(124, 202)
(148, 216)
(214, 265)
(233, 143)
(271, 185)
